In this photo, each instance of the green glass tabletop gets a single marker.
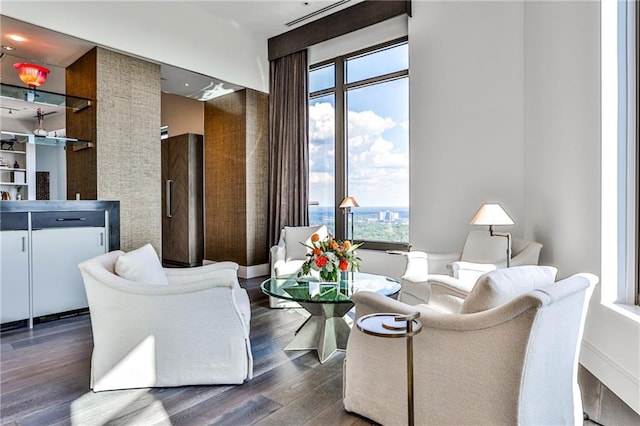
(310, 290)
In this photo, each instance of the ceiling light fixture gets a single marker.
(16, 37)
(31, 74)
(9, 48)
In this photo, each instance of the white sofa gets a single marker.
(290, 253)
(510, 356)
(184, 326)
(445, 279)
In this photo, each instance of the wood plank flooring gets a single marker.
(44, 380)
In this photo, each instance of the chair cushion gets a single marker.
(294, 235)
(502, 285)
(142, 266)
(481, 247)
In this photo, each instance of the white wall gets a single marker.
(505, 106)
(563, 174)
(204, 43)
(52, 159)
(562, 133)
(466, 117)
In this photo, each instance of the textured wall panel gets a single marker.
(225, 213)
(257, 177)
(235, 178)
(128, 144)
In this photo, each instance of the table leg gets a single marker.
(326, 331)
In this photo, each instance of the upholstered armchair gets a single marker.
(509, 357)
(290, 253)
(155, 327)
(445, 279)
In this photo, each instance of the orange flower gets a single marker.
(343, 265)
(321, 261)
(315, 238)
(334, 245)
(347, 245)
(317, 251)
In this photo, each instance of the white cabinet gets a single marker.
(40, 251)
(14, 276)
(57, 283)
(61, 240)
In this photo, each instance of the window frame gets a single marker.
(339, 90)
(634, 78)
(628, 184)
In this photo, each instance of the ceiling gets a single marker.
(265, 18)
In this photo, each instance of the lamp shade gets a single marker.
(348, 202)
(31, 74)
(491, 214)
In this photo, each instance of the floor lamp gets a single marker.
(494, 214)
(346, 204)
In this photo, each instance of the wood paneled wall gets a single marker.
(124, 124)
(81, 165)
(236, 167)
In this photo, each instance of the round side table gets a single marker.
(396, 325)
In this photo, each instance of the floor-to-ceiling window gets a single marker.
(359, 144)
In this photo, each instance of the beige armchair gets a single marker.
(180, 326)
(289, 254)
(510, 356)
(445, 279)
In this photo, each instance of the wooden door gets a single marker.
(182, 199)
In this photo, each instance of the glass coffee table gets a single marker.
(327, 329)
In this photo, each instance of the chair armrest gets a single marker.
(417, 266)
(368, 302)
(277, 255)
(277, 252)
(461, 265)
(438, 261)
(447, 293)
(453, 285)
(530, 255)
(212, 272)
(200, 271)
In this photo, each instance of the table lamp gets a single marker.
(492, 215)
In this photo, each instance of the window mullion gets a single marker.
(376, 80)
(341, 149)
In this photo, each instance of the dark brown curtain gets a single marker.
(288, 144)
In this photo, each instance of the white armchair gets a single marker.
(445, 279)
(510, 356)
(289, 254)
(184, 326)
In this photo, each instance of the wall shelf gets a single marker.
(19, 145)
(18, 137)
(10, 151)
(28, 94)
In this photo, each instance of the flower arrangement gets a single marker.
(330, 257)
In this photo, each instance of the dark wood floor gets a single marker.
(45, 381)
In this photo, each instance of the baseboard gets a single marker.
(253, 271)
(618, 379)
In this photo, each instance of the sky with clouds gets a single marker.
(378, 145)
